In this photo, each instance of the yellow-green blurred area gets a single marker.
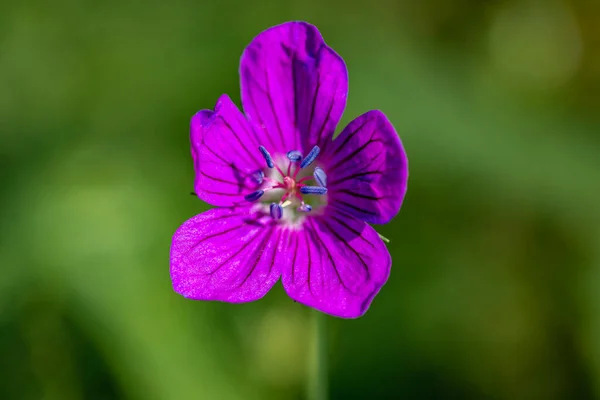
(495, 284)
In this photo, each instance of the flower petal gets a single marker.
(226, 254)
(198, 125)
(225, 153)
(336, 264)
(367, 169)
(293, 85)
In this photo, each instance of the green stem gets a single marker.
(317, 370)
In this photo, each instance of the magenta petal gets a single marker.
(367, 169)
(226, 254)
(198, 125)
(294, 85)
(336, 264)
(225, 153)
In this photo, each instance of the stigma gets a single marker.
(289, 177)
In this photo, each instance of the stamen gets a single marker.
(310, 157)
(276, 211)
(258, 176)
(254, 195)
(267, 156)
(294, 155)
(313, 190)
(320, 176)
(293, 188)
(280, 171)
(271, 180)
(305, 208)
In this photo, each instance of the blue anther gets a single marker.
(258, 176)
(313, 190)
(310, 157)
(254, 195)
(294, 155)
(276, 211)
(305, 208)
(320, 176)
(267, 156)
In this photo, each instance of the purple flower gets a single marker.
(291, 201)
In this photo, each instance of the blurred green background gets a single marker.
(495, 287)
